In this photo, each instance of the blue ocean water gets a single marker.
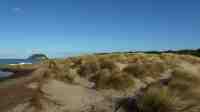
(13, 61)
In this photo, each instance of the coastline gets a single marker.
(11, 73)
(15, 61)
(13, 68)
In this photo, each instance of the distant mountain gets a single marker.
(38, 57)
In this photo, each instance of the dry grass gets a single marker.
(184, 83)
(135, 69)
(88, 68)
(153, 69)
(108, 64)
(106, 79)
(157, 100)
(103, 71)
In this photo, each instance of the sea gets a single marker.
(16, 61)
(13, 61)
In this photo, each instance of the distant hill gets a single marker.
(194, 52)
(37, 57)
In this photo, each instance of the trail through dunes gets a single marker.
(66, 97)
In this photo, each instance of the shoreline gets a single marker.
(10, 72)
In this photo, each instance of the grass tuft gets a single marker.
(106, 79)
(156, 100)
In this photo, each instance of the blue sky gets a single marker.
(62, 27)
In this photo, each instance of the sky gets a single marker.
(63, 27)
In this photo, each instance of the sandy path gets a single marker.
(72, 97)
(15, 91)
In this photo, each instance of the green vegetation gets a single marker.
(194, 52)
(186, 52)
(38, 57)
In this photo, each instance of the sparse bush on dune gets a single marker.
(134, 58)
(88, 58)
(121, 81)
(106, 79)
(52, 65)
(74, 62)
(60, 71)
(153, 69)
(135, 69)
(183, 81)
(108, 64)
(89, 66)
(105, 74)
(101, 78)
(88, 69)
(157, 100)
(122, 58)
(68, 75)
(156, 68)
(190, 59)
(170, 59)
(174, 59)
(116, 57)
(153, 58)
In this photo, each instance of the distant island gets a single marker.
(38, 57)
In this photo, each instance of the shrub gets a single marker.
(101, 78)
(108, 64)
(89, 68)
(135, 69)
(53, 66)
(183, 80)
(68, 75)
(106, 79)
(156, 100)
(59, 71)
(153, 69)
(120, 81)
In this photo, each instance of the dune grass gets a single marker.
(157, 100)
(106, 79)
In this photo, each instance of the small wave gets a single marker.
(22, 63)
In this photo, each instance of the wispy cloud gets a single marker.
(17, 10)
